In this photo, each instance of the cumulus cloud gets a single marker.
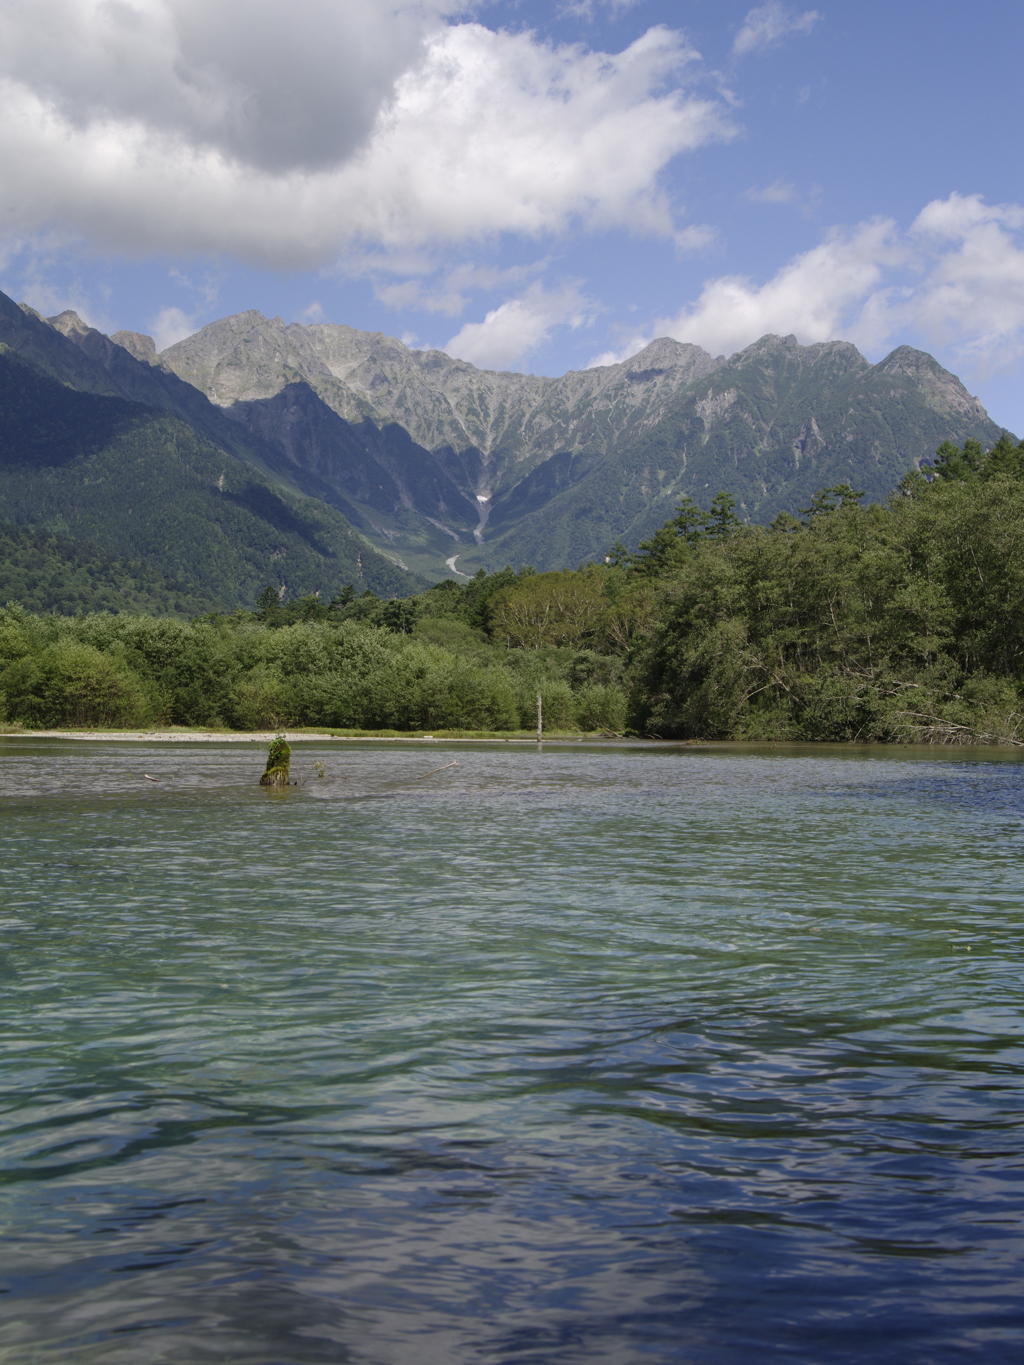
(519, 326)
(271, 86)
(171, 325)
(954, 281)
(812, 296)
(972, 299)
(696, 237)
(448, 292)
(768, 24)
(149, 125)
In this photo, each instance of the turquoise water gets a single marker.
(582, 1054)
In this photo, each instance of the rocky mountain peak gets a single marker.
(138, 344)
(938, 387)
(69, 323)
(426, 453)
(770, 344)
(681, 360)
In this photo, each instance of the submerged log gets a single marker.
(277, 772)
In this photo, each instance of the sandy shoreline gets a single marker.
(265, 736)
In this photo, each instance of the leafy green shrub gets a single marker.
(71, 684)
(557, 701)
(459, 695)
(600, 706)
(260, 700)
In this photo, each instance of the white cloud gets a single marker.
(696, 237)
(267, 85)
(206, 289)
(49, 300)
(954, 281)
(779, 192)
(30, 264)
(171, 325)
(585, 9)
(767, 24)
(617, 357)
(519, 326)
(812, 296)
(149, 125)
(972, 299)
(450, 293)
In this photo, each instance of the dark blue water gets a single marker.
(582, 1055)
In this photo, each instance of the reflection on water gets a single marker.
(580, 1054)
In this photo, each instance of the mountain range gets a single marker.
(437, 460)
(315, 455)
(120, 464)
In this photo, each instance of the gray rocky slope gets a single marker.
(100, 447)
(436, 461)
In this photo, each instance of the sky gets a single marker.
(527, 186)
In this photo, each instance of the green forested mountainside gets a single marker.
(65, 349)
(901, 621)
(446, 468)
(375, 475)
(141, 484)
(46, 572)
(508, 467)
(771, 426)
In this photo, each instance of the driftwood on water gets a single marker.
(453, 764)
(278, 773)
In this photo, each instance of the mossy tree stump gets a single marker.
(277, 772)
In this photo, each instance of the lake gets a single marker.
(578, 1053)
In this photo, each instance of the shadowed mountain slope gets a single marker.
(44, 571)
(771, 426)
(98, 446)
(404, 459)
(434, 458)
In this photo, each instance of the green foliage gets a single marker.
(672, 544)
(956, 464)
(549, 609)
(260, 700)
(601, 706)
(71, 684)
(902, 621)
(47, 571)
(277, 773)
(141, 486)
(832, 499)
(877, 622)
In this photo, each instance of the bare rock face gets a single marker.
(525, 468)
(940, 389)
(445, 467)
(139, 345)
(69, 324)
(511, 421)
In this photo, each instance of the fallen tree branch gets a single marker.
(454, 764)
(935, 730)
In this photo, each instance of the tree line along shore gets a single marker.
(900, 621)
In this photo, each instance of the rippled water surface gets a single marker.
(579, 1054)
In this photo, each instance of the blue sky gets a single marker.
(528, 186)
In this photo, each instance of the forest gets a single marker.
(900, 621)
